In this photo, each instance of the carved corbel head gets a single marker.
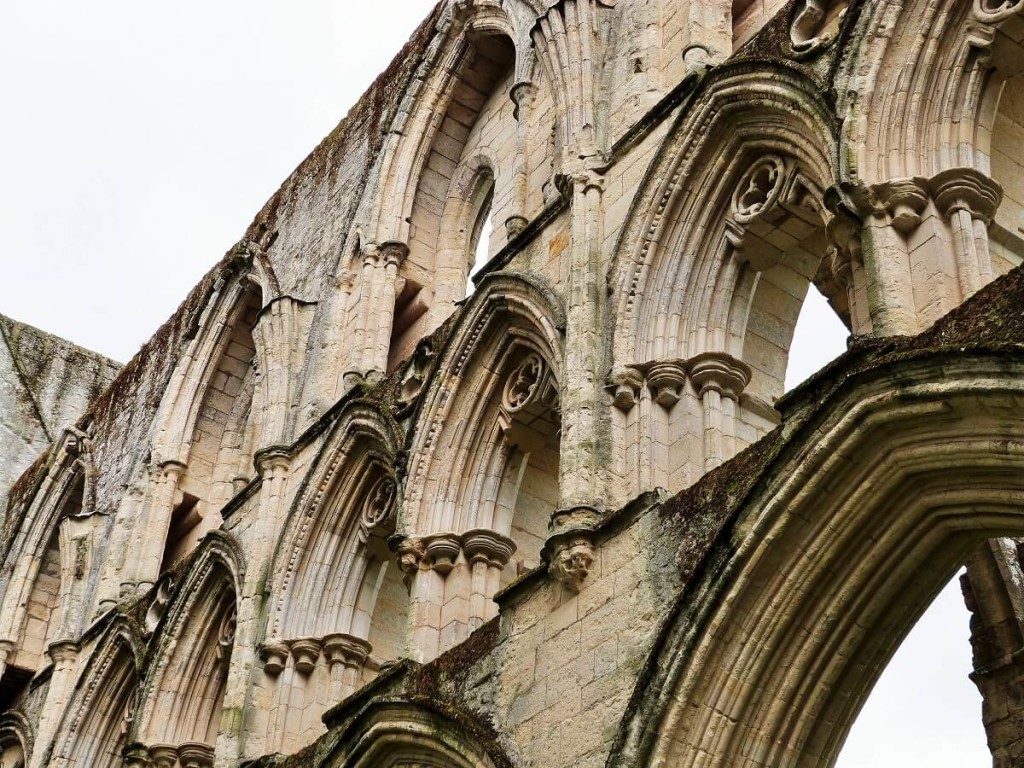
(570, 555)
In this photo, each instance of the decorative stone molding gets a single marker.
(194, 754)
(393, 253)
(759, 188)
(163, 755)
(442, 550)
(666, 381)
(625, 384)
(486, 546)
(515, 224)
(721, 372)
(413, 378)
(226, 635)
(305, 651)
(274, 655)
(158, 606)
(63, 652)
(569, 556)
(349, 650)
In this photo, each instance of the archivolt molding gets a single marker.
(418, 119)
(526, 314)
(42, 518)
(773, 132)
(362, 447)
(920, 86)
(119, 645)
(217, 567)
(16, 730)
(398, 734)
(916, 475)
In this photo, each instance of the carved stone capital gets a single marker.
(904, 200)
(63, 652)
(346, 649)
(136, 755)
(966, 189)
(721, 372)
(274, 655)
(171, 470)
(305, 651)
(163, 755)
(393, 253)
(522, 95)
(484, 546)
(515, 224)
(569, 555)
(273, 458)
(194, 754)
(624, 384)
(666, 381)
(442, 550)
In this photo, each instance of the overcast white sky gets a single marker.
(139, 139)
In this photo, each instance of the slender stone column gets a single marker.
(64, 656)
(361, 327)
(163, 496)
(719, 379)
(280, 338)
(488, 553)
(345, 655)
(968, 200)
(523, 96)
(382, 314)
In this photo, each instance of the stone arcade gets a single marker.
(335, 513)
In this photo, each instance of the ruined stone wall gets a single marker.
(343, 508)
(46, 385)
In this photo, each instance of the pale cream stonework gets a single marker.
(336, 513)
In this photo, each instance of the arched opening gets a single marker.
(1006, 232)
(341, 605)
(222, 442)
(856, 530)
(12, 755)
(819, 337)
(467, 174)
(480, 244)
(924, 710)
(183, 718)
(100, 717)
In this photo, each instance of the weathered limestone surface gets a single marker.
(46, 385)
(345, 509)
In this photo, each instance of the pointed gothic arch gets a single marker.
(180, 695)
(16, 739)
(771, 651)
(399, 733)
(96, 723)
(339, 608)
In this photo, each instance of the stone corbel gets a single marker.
(569, 555)
(194, 754)
(305, 651)
(904, 200)
(721, 372)
(274, 654)
(488, 547)
(136, 755)
(488, 553)
(442, 551)
(163, 755)
(624, 384)
(410, 552)
(666, 381)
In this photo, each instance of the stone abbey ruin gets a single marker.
(337, 513)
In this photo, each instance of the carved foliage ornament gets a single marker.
(759, 188)
(523, 383)
(380, 502)
(815, 24)
(996, 10)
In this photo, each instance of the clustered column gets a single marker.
(376, 314)
(163, 496)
